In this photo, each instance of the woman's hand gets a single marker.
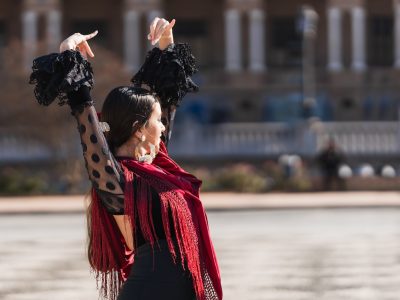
(161, 31)
(79, 42)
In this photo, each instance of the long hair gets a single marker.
(125, 109)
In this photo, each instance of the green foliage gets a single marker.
(54, 178)
(14, 182)
(71, 178)
(241, 178)
(248, 178)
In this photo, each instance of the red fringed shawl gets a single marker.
(178, 190)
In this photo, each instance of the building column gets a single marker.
(358, 38)
(53, 30)
(29, 37)
(335, 39)
(233, 43)
(132, 40)
(397, 35)
(257, 40)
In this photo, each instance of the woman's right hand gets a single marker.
(161, 31)
(78, 42)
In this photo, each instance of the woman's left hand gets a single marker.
(160, 29)
(79, 42)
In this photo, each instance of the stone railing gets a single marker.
(235, 140)
(253, 140)
(359, 138)
(243, 139)
(22, 148)
(21, 145)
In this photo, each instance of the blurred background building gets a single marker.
(268, 87)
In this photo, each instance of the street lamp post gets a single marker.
(307, 27)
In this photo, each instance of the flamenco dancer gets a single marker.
(147, 229)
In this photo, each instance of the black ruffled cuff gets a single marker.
(79, 99)
(57, 74)
(167, 72)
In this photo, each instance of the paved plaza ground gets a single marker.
(278, 254)
(218, 201)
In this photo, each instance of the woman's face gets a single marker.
(154, 127)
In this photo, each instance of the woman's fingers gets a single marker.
(82, 50)
(159, 33)
(83, 45)
(87, 48)
(159, 25)
(153, 26)
(78, 42)
(171, 24)
(90, 35)
(166, 27)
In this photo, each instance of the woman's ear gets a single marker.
(138, 133)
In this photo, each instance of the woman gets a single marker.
(148, 232)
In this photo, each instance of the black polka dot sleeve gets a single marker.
(104, 171)
(68, 77)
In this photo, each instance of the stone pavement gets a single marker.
(218, 201)
(307, 254)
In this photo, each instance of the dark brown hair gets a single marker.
(122, 108)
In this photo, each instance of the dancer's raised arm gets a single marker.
(167, 71)
(68, 76)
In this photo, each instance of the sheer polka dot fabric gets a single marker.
(103, 169)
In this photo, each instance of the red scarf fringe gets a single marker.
(110, 256)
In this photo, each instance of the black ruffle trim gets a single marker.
(57, 74)
(167, 72)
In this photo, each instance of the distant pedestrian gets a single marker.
(329, 161)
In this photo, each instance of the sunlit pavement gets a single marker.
(216, 201)
(309, 254)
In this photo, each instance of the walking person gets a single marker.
(329, 160)
(148, 231)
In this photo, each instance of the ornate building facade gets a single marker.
(249, 51)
